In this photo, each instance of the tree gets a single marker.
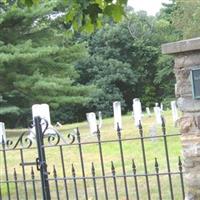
(121, 64)
(186, 18)
(126, 62)
(166, 32)
(37, 62)
(84, 15)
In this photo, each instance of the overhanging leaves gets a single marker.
(82, 14)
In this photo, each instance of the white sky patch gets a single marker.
(150, 6)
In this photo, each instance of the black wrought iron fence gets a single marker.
(117, 168)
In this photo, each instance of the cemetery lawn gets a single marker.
(131, 149)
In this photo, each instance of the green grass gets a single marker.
(111, 152)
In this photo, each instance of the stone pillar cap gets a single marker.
(181, 46)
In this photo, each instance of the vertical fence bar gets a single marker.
(181, 176)
(0, 191)
(94, 181)
(114, 180)
(56, 182)
(6, 167)
(144, 160)
(167, 157)
(64, 173)
(102, 163)
(42, 159)
(82, 163)
(16, 185)
(135, 179)
(74, 179)
(33, 183)
(122, 160)
(24, 174)
(158, 178)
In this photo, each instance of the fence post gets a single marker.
(42, 159)
(187, 72)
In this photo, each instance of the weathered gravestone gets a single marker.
(137, 111)
(41, 110)
(157, 112)
(117, 114)
(187, 72)
(161, 107)
(100, 119)
(91, 118)
(174, 112)
(2, 132)
(153, 132)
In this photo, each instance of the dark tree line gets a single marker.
(40, 62)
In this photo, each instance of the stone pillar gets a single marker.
(187, 58)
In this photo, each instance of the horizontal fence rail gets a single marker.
(116, 168)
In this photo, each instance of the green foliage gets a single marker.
(87, 15)
(125, 61)
(186, 18)
(166, 32)
(37, 63)
(122, 63)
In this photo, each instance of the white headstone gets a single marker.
(2, 132)
(137, 111)
(41, 110)
(148, 111)
(117, 114)
(161, 107)
(157, 112)
(174, 111)
(58, 124)
(100, 119)
(153, 132)
(91, 118)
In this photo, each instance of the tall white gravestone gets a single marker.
(117, 114)
(137, 111)
(100, 119)
(157, 112)
(2, 132)
(153, 132)
(161, 107)
(174, 111)
(42, 110)
(91, 118)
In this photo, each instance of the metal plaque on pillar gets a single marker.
(195, 78)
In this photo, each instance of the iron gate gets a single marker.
(93, 169)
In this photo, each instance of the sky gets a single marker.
(151, 6)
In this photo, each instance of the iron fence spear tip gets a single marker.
(163, 120)
(118, 128)
(140, 124)
(156, 163)
(133, 163)
(98, 130)
(92, 166)
(77, 131)
(112, 165)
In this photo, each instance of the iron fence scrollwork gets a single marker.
(72, 179)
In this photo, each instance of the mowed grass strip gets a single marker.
(111, 152)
